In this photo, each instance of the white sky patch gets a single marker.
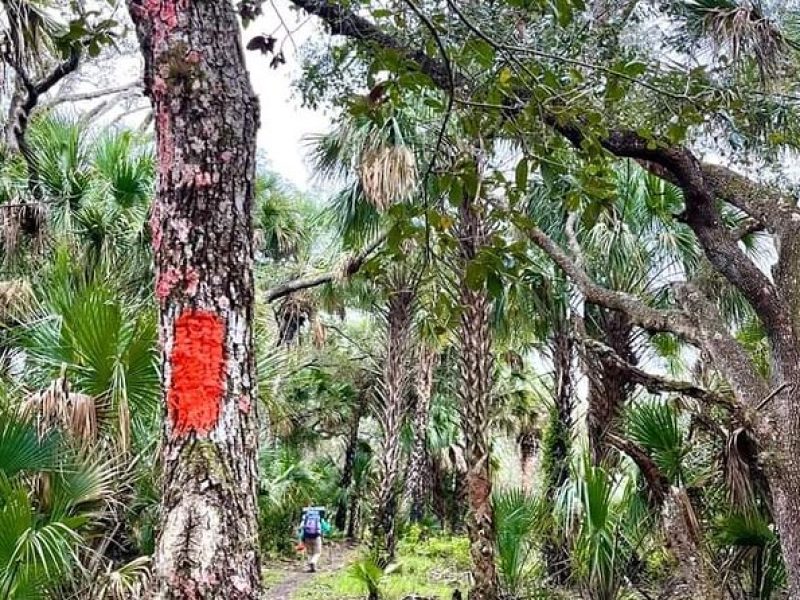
(283, 122)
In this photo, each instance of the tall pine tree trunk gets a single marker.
(417, 480)
(206, 120)
(391, 414)
(475, 393)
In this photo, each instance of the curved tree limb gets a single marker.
(652, 382)
(733, 361)
(92, 95)
(343, 21)
(32, 92)
(310, 281)
(644, 316)
(656, 480)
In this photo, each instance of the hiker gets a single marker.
(313, 527)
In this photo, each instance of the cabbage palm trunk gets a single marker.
(557, 444)
(476, 379)
(609, 386)
(346, 481)
(391, 414)
(418, 479)
(528, 442)
(206, 118)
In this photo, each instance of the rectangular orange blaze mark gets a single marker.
(198, 372)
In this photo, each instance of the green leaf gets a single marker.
(563, 10)
(521, 174)
(494, 284)
(475, 275)
(481, 52)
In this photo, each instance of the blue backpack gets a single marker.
(312, 525)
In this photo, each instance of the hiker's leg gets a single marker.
(315, 551)
(309, 545)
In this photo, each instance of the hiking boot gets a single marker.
(312, 568)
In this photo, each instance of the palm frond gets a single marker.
(22, 449)
(656, 426)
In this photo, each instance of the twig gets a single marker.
(570, 61)
(93, 95)
(773, 393)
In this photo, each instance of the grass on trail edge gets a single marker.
(431, 568)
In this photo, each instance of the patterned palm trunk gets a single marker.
(555, 460)
(340, 520)
(528, 442)
(475, 393)
(206, 118)
(417, 480)
(391, 412)
(609, 387)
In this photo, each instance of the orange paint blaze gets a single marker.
(198, 372)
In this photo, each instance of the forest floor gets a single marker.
(284, 578)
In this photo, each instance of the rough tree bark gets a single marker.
(555, 459)
(340, 519)
(392, 409)
(206, 120)
(417, 480)
(475, 344)
(684, 539)
(608, 384)
(528, 442)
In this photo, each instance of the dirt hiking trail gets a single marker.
(334, 558)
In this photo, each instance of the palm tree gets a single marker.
(391, 411)
(372, 153)
(52, 501)
(604, 516)
(103, 345)
(475, 392)
(634, 246)
(520, 400)
(350, 454)
(417, 489)
(658, 444)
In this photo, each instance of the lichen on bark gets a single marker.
(206, 118)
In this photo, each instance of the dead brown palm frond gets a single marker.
(293, 313)
(56, 408)
(739, 455)
(20, 219)
(16, 300)
(122, 582)
(124, 423)
(388, 174)
(318, 331)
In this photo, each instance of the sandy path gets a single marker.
(334, 557)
